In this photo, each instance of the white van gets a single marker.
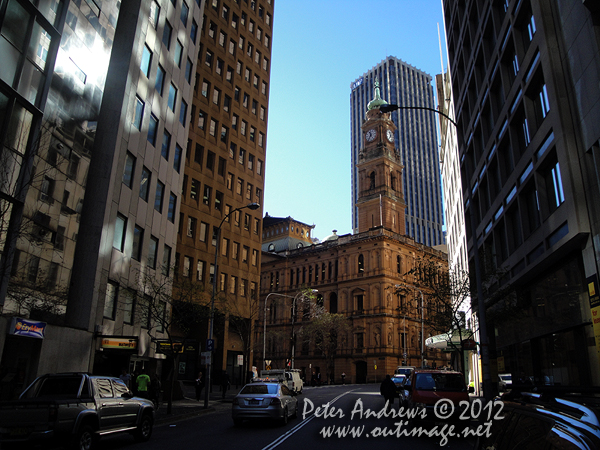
(291, 377)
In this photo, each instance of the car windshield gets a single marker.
(440, 382)
(259, 389)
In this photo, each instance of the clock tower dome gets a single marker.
(380, 200)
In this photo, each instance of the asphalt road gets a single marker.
(342, 425)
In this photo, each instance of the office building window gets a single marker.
(119, 236)
(166, 264)
(167, 32)
(152, 252)
(158, 198)
(129, 306)
(138, 113)
(138, 238)
(146, 62)
(145, 183)
(160, 80)
(172, 97)
(110, 300)
(172, 207)
(128, 170)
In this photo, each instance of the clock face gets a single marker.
(371, 135)
(390, 135)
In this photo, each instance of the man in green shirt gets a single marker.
(143, 384)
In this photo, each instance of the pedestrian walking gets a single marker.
(199, 385)
(388, 390)
(343, 377)
(143, 384)
(224, 382)
(125, 378)
(155, 390)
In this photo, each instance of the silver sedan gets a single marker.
(264, 400)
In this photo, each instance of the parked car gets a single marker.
(549, 418)
(74, 410)
(290, 376)
(405, 370)
(264, 400)
(504, 382)
(429, 386)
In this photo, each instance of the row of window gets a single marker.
(139, 240)
(251, 193)
(235, 19)
(227, 283)
(222, 133)
(321, 272)
(245, 159)
(144, 185)
(135, 308)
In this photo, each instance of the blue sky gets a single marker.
(319, 48)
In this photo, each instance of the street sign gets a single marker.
(210, 345)
(205, 358)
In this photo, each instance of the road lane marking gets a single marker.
(289, 433)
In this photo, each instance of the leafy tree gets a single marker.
(323, 330)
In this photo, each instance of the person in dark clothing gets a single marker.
(224, 382)
(388, 390)
(199, 385)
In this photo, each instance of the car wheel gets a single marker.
(144, 430)
(285, 418)
(84, 439)
(238, 422)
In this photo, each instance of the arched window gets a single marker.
(399, 264)
(333, 303)
(361, 263)
(372, 180)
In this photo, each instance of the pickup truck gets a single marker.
(74, 410)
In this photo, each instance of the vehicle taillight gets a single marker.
(275, 401)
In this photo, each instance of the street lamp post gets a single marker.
(483, 337)
(404, 286)
(299, 294)
(265, 326)
(252, 206)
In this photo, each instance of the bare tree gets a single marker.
(448, 299)
(325, 331)
(172, 310)
(322, 329)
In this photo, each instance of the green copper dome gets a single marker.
(377, 101)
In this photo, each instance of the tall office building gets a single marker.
(225, 169)
(416, 135)
(525, 85)
(94, 125)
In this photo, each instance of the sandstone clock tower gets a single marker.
(380, 193)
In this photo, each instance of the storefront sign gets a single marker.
(29, 328)
(119, 343)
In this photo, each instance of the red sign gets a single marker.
(469, 344)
